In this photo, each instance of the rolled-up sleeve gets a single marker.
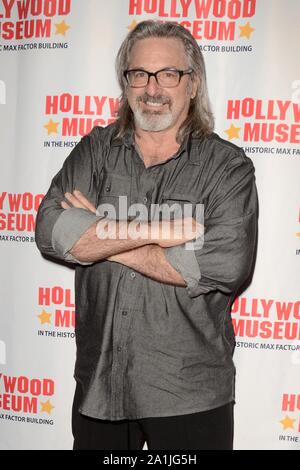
(226, 258)
(58, 229)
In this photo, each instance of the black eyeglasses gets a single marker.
(168, 77)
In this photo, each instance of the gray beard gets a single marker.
(152, 122)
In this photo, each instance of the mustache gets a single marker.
(159, 99)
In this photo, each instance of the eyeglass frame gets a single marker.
(154, 74)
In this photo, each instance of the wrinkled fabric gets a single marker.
(145, 348)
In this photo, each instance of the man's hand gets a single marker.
(77, 199)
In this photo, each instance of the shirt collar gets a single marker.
(186, 146)
(128, 141)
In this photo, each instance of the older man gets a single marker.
(153, 327)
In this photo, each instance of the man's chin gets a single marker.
(150, 127)
(153, 121)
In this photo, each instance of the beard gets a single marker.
(152, 120)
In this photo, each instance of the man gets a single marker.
(153, 328)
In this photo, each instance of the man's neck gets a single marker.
(156, 146)
(156, 138)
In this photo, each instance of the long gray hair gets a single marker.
(200, 120)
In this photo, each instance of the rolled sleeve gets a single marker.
(227, 256)
(185, 262)
(67, 230)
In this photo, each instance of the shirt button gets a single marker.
(107, 189)
(124, 312)
(132, 275)
(145, 200)
(119, 348)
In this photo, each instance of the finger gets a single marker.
(84, 200)
(64, 205)
(74, 201)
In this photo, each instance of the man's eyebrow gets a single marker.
(136, 68)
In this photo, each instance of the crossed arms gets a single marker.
(67, 230)
(145, 255)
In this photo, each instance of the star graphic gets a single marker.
(47, 407)
(233, 132)
(44, 317)
(132, 25)
(287, 423)
(298, 234)
(51, 127)
(246, 30)
(61, 28)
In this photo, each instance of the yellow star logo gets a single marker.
(61, 28)
(132, 25)
(233, 132)
(246, 30)
(44, 317)
(51, 127)
(47, 407)
(287, 423)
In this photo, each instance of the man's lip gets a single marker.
(153, 105)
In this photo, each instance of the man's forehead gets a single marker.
(161, 52)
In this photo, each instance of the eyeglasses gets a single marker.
(167, 77)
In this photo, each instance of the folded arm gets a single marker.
(148, 259)
(151, 261)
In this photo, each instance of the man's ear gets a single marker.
(194, 88)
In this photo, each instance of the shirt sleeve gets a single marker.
(58, 229)
(226, 258)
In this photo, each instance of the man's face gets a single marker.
(156, 108)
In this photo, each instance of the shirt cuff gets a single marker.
(185, 262)
(69, 227)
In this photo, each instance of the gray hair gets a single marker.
(200, 120)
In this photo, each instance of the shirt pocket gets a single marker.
(177, 205)
(115, 196)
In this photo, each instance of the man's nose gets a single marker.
(152, 86)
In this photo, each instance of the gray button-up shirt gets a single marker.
(145, 348)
